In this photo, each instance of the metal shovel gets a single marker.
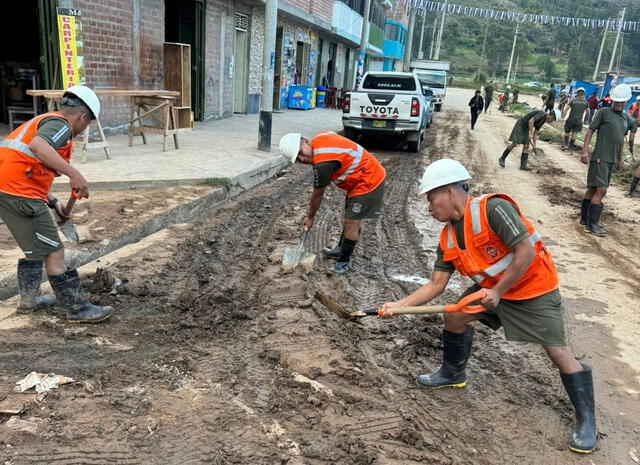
(66, 225)
(293, 256)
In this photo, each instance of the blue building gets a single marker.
(395, 37)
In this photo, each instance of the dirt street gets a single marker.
(215, 355)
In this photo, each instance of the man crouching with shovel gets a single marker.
(489, 240)
(30, 158)
(350, 167)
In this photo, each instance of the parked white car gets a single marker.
(389, 102)
(532, 84)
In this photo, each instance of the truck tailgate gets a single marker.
(374, 105)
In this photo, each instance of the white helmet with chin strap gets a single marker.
(290, 146)
(621, 93)
(88, 97)
(441, 173)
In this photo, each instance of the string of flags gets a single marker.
(524, 17)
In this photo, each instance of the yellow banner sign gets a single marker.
(70, 37)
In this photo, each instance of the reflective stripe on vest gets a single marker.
(17, 145)
(474, 208)
(502, 264)
(356, 154)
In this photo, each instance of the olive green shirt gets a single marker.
(503, 219)
(322, 173)
(539, 118)
(55, 131)
(578, 106)
(612, 126)
(488, 91)
(551, 96)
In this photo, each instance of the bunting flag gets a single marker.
(627, 26)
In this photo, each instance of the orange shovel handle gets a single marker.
(463, 305)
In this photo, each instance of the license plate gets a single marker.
(379, 124)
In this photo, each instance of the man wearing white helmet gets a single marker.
(489, 240)
(525, 132)
(353, 169)
(612, 125)
(30, 158)
(573, 124)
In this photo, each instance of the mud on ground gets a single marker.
(215, 355)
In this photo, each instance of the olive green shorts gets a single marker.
(540, 320)
(519, 135)
(572, 125)
(369, 205)
(599, 173)
(31, 225)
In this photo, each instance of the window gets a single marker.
(389, 82)
(391, 32)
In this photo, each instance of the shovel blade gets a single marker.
(307, 261)
(291, 257)
(69, 231)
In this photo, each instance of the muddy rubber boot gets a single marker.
(572, 145)
(503, 158)
(69, 292)
(632, 188)
(452, 373)
(593, 226)
(524, 158)
(342, 265)
(584, 211)
(29, 278)
(579, 387)
(566, 144)
(334, 253)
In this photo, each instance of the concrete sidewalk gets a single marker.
(225, 148)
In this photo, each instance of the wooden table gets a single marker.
(55, 96)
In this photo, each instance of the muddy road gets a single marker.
(216, 355)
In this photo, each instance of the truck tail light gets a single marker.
(415, 107)
(346, 103)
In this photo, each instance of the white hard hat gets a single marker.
(621, 93)
(581, 89)
(508, 87)
(557, 114)
(638, 97)
(290, 145)
(441, 173)
(88, 96)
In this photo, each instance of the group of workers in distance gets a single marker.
(610, 124)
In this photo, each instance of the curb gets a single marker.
(180, 214)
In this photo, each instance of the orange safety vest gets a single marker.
(486, 257)
(359, 171)
(634, 110)
(21, 173)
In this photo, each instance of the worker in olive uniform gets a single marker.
(30, 157)
(551, 98)
(504, 105)
(353, 169)
(612, 125)
(525, 132)
(577, 109)
(489, 240)
(488, 96)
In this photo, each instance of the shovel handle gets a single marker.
(70, 204)
(462, 306)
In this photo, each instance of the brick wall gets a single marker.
(219, 48)
(321, 8)
(111, 54)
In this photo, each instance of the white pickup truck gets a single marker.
(389, 102)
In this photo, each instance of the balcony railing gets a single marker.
(376, 37)
(346, 22)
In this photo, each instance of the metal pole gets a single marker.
(515, 70)
(406, 62)
(484, 46)
(513, 49)
(364, 37)
(620, 54)
(604, 38)
(268, 65)
(433, 36)
(424, 20)
(436, 55)
(615, 45)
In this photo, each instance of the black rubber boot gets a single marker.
(524, 158)
(342, 265)
(334, 252)
(634, 185)
(502, 159)
(579, 387)
(71, 297)
(566, 144)
(572, 145)
(29, 278)
(584, 211)
(452, 373)
(593, 226)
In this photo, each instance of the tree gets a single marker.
(547, 66)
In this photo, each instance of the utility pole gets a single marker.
(268, 65)
(364, 38)
(513, 50)
(620, 54)
(436, 55)
(604, 38)
(409, 45)
(615, 45)
(484, 46)
(433, 36)
(515, 70)
(424, 20)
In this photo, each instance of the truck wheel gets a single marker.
(414, 145)
(439, 107)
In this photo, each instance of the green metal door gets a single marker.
(197, 61)
(49, 51)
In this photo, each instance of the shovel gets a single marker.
(294, 256)
(539, 153)
(462, 306)
(66, 225)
